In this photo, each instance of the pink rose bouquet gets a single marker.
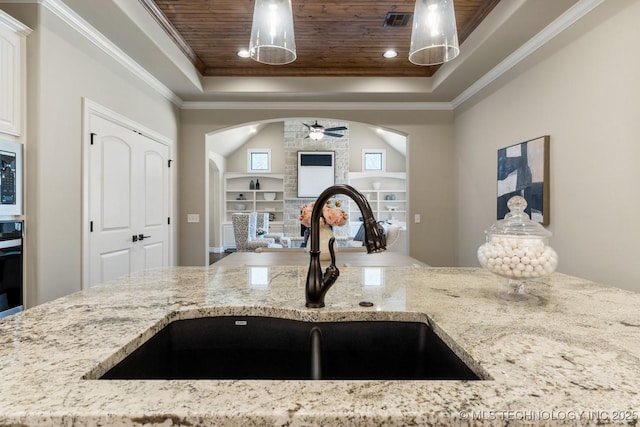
(332, 215)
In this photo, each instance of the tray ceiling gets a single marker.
(333, 38)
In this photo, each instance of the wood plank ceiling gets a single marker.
(333, 38)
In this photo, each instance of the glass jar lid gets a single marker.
(517, 222)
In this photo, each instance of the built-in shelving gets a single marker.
(386, 193)
(239, 197)
(237, 186)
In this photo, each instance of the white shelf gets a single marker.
(236, 184)
(390, 183)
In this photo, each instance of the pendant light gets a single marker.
(434, 37)
(272, 39)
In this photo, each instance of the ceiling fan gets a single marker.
(316, 131)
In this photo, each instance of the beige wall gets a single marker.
(271, 137)
(432, 190)
(63, 67)
(362, 136)
(583, 90)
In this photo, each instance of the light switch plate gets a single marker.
(193, 217)
(417, 219)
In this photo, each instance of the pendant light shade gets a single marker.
(272, 39)
(434, 37)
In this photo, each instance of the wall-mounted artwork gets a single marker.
(523, 170)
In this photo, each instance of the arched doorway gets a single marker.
(230, 146)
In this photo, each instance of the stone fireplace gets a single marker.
(295, 140)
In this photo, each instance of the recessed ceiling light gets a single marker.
(390, 53)
(243, 53)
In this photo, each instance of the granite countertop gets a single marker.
(569, 353)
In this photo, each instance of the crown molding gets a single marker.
(307, 106)
(15, 25)
(76, 22)
(564, 21)
(576, 12)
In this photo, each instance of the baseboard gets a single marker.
(216, 250)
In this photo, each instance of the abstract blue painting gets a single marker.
(523, 170)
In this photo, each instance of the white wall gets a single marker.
(63, 67)
(583, 90)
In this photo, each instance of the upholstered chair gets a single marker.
(253, 230)
(393, 236)
(263, 222)
(241, 230)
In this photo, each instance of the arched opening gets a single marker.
(371, 158)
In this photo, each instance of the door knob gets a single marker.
(142, 237)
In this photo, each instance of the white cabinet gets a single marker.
(386, 193)
(12, 73)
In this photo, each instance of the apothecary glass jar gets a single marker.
(517, 247)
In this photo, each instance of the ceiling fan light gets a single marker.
(316, 135)
(434, 36)
(272, 36)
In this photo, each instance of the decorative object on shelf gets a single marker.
(376, 185)
(390, 197)
(332, 216)
(269, 196)
(434, 36)
(252, 185)
(517, 249)
(260, 231)
(272, 38)
(272, 216)
(241, 197)
(240, 206)
(257, 184)
(523, 170)
(391, 208)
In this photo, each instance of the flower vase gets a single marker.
(326, 233)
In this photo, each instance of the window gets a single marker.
(259, 160)
(373, 160)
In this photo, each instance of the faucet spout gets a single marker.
(318, 283)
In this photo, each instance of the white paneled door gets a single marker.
(128, 201)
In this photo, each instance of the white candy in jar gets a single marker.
(518, 257)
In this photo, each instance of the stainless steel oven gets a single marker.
(11, 293)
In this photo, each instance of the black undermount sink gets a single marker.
(232, 347)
